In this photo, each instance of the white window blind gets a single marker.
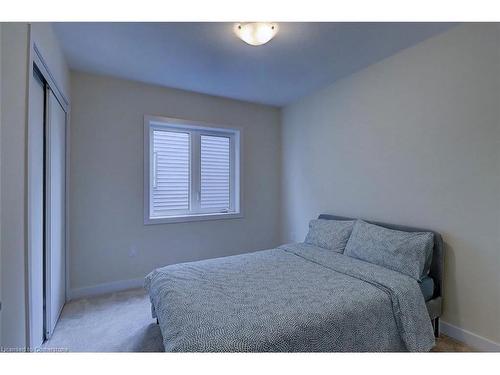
(215, 173)
(170, 167)
(191, 171)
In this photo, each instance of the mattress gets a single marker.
(295, 298)
(427, 287)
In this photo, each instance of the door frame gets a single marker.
(38, 63)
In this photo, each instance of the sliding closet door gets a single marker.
(55, 211)
(36, 216)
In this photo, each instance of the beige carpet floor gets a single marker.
(117, 322)
(121, 322)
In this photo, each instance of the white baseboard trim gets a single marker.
(471, 339)
(114, 286)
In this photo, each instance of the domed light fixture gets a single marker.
(256, 33)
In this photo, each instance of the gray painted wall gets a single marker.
(14, 66)
(414, 139)
(14, 109)
(48, 43)
(106, 194)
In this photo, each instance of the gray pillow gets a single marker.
(407, 252)
(329, 234)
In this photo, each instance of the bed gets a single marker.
(296, 298)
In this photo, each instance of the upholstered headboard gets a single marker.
(436, 271)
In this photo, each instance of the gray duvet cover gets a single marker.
(297, 297)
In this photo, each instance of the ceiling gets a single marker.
(208, 58)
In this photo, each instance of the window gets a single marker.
(192, 171)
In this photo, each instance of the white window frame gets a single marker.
(198, 128)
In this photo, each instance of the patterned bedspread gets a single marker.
(297, 297)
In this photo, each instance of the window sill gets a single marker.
(188, 218)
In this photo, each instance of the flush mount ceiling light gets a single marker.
(256, 33)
